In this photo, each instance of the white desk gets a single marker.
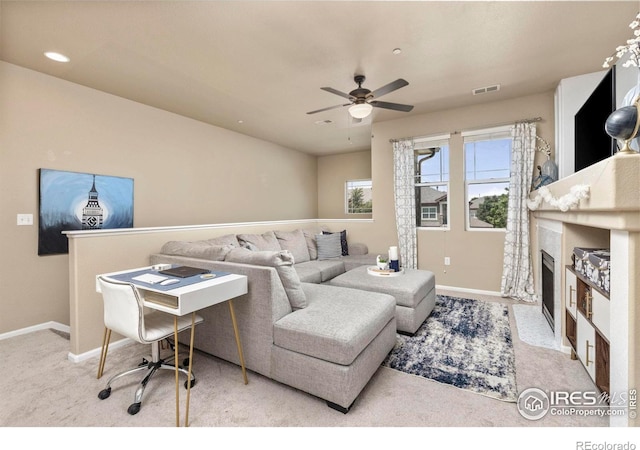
(187, 297)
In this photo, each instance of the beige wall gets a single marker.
(333, 172)
(476, 256)
(185, 172)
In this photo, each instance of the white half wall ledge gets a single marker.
(76, 234)
(346, 220)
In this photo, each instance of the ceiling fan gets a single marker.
(362, 100)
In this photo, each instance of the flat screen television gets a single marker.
(592, 143)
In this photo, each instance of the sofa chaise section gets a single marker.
(343, 334)
(346, 333)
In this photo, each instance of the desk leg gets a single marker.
(175, 349)
(105, 348)
(238, 343)
(193, 324)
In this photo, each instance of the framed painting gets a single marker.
(80, 201)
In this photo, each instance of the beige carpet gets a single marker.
(41, 388)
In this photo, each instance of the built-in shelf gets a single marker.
(587, 327)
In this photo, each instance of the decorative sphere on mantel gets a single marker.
(621, 124)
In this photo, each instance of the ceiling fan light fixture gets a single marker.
(360, 111)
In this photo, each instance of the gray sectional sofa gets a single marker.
(325, 340)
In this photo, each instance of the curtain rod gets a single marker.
(530, 120)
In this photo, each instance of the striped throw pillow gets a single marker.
(329, 246)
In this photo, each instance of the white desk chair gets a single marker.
(125, 314)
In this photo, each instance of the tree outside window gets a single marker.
(487, 171)
(358, 197)
(493, 210)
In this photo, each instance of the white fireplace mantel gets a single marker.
(610, 216)
(614, 195)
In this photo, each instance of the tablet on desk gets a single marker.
(183, 271)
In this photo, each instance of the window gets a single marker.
(432, 181)
(358, 197)
(487, 155)
(429, 213)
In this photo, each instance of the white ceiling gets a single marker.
(263, 62)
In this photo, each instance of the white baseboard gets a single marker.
(95, 353)
(43, 326)
(565, 348)
(468, 291)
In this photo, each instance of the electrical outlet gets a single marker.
(25, 219)
(447, 261)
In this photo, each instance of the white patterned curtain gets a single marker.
(404, 194)
(517, 273)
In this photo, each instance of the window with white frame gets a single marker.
(432, 181)
(358, 198)
(487, 156)
(429, 213)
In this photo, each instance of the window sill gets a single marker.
(487, 230)
(433, 228)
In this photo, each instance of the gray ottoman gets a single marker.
(414, 291)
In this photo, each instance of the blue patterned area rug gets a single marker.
(464, 343)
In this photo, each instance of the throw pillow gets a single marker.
(328, 246)
(294, 242)
(196, 249)
(343, 241)
(227, 239)
(282, 261)
(265, 242)
(312, 246)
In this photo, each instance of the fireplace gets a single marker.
(548, 287)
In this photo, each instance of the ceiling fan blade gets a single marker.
(327, 109)
(394, 106)
(394, 85)
(337, 92)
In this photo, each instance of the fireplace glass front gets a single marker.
(547, 287)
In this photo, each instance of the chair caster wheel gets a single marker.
(134, 408)
(193, 383)
(105, 393)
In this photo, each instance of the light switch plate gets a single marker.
(25, 219)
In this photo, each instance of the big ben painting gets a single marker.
(92, 213)
(80, 201)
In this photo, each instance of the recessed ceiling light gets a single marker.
(57, 56)
(397, 51)
(240, 121)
